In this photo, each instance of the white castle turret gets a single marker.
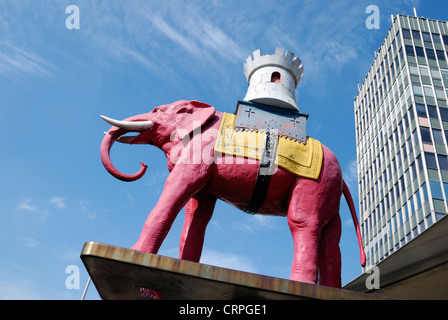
(273, 78)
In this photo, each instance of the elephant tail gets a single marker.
(348, 198)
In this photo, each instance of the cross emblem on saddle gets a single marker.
(276, 137)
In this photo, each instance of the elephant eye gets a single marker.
(158, 110)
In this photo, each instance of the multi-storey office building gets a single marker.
(401, 117)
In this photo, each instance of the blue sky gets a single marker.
(126, 58)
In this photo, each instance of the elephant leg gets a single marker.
(198, 212)
(182, 183)
(303, 221)
(330, 254)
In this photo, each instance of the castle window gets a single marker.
(276, 77)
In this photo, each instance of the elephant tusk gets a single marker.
(129, 125)
(126, 139)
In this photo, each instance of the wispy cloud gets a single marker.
(15, 61)
(255, 223)
(210, 36)
(197, 35)
(218, 258)
(172, 34)
(118, 48)
(130, 198)
(228, 260)
(65, 252)
(26, 205)
(348, 222)
(85, 207)
(19, 289)
(29, 208)
(153, 34)
(350, 174)
(29, 242)
(156, 181)
(59, 202)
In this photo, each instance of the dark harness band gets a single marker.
(265, 171)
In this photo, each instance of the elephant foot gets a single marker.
(136, 248)
(139, 247)
(302, 278)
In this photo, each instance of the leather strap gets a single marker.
(265, 171)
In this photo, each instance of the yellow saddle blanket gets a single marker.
(301, 159)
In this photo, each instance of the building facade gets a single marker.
(401, 119)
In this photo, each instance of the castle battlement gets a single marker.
(281, 58)
(273, 78)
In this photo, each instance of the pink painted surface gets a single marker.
(198, 178)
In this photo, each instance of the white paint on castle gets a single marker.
(273, 78)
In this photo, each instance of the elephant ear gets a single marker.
(192, 116)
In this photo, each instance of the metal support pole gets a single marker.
(85, 289)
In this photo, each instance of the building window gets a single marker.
(425, 192)
(443, 161)
(432, 110)
(399, 218)
(420, 163)
(439, 93)
(439, 215)
(426, 36)
(409, 50)
(424, 71)
(406, 33)
(429, 220)
(414, 171)
(444, 114)
(422, 225)
(436, 190)
(408, 178)
(420, 52)
(445, 39)
(410, 209)
(414, 232)
(411, 114)
(418, 198)
(426, 135)
(430, 53)
(444, 74)
(417, 89)
(431, 160)
(416, 35)
(440, 55)
(438, 136)
(413, 69)
(436, 38)
(435, 73)
(276, 77)
(428, 91)
(421, 110)
(415, 137)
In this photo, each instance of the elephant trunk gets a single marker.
(110, 137)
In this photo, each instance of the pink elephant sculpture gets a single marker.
(197, 179)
